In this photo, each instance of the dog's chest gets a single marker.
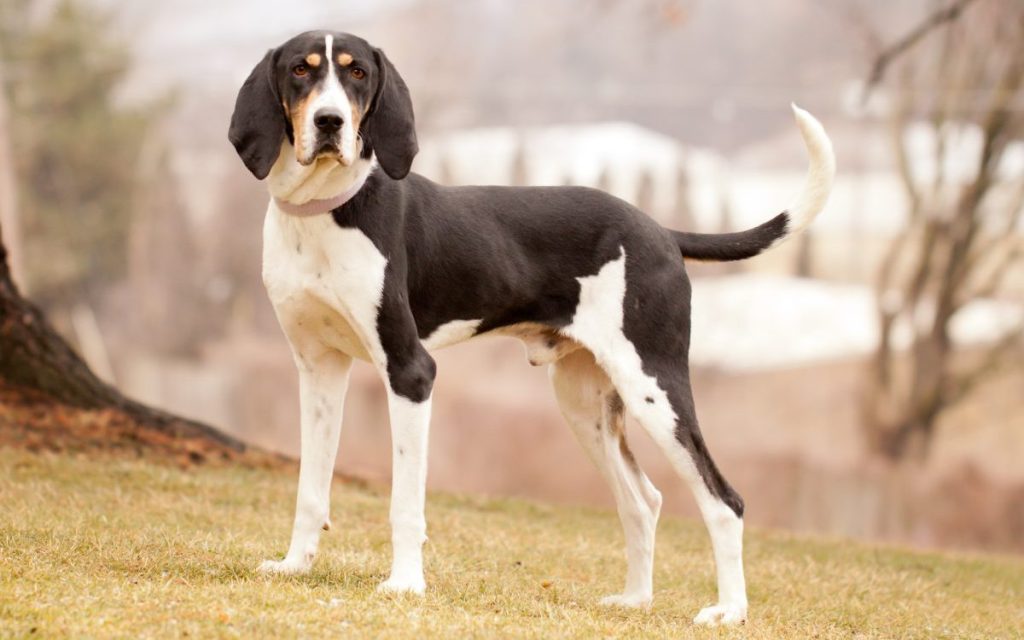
(325, 283)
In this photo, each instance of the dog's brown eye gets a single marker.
(358, 74)
(300, 70)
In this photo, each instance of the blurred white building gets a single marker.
(763, 319)
(653, 171)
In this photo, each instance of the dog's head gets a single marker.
(332, 96)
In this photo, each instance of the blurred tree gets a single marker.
(682, 215)
(644, 198)
(235, 297)
(35, 361)
(804, 267)
(960, 75)
(725, 225)
(167, 307)
(75, 149)
(9, 218)
(520, 165)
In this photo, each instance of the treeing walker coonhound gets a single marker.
(363, 259)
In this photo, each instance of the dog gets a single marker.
(364, 260)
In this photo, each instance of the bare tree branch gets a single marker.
(936, 264)
(996, 357)
(1011, 251)
(915, 35)
(1007, 236)
(995, 127)
(890, 306)
(854, 17)
(998, 274)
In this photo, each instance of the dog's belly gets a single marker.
(544, 344)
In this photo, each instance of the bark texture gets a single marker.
(35, 358)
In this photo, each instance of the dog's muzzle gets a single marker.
(328, 123)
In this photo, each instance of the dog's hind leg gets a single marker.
(323, 380)
(669, 418)
(663, 406)
(720, 506)
(594, 410)
(640, 336)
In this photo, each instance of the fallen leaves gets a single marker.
(30, 420)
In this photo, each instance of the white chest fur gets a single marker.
(325, 283)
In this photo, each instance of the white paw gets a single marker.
(286, 567)
(722, 614)
(631, 601)
(403, 585)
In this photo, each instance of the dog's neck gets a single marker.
(325, 179)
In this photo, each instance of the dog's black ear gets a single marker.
(258, 124)
(389, 129)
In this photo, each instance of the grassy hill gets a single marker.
(114, 547)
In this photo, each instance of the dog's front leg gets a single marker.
(410, 380)
(323, 380)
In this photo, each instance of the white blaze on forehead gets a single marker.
(331, 96)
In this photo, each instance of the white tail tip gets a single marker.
(821, 171)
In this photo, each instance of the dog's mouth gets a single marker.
(327, 150)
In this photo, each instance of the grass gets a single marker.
(124, 548)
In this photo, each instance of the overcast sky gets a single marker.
(214, 41)
(718, 74)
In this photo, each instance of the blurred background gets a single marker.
(864, 380)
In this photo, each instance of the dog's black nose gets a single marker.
(328, 120)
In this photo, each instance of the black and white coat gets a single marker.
(363, 259)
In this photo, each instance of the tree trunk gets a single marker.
(34, 357)
(39, 369)
(947, 256)
(9, 220)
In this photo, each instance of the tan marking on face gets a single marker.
(313, 59)
(357, 118)
(344, 59)
(298, 116)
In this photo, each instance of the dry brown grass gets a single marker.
(108, 547)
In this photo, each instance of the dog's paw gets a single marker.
(286, 567)
(628, 600)
(403, 585)
(721, 614)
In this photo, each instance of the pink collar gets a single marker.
(316, 207)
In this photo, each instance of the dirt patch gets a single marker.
(30, 420)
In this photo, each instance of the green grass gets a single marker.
(126, 548)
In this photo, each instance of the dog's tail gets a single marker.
(718, 247)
